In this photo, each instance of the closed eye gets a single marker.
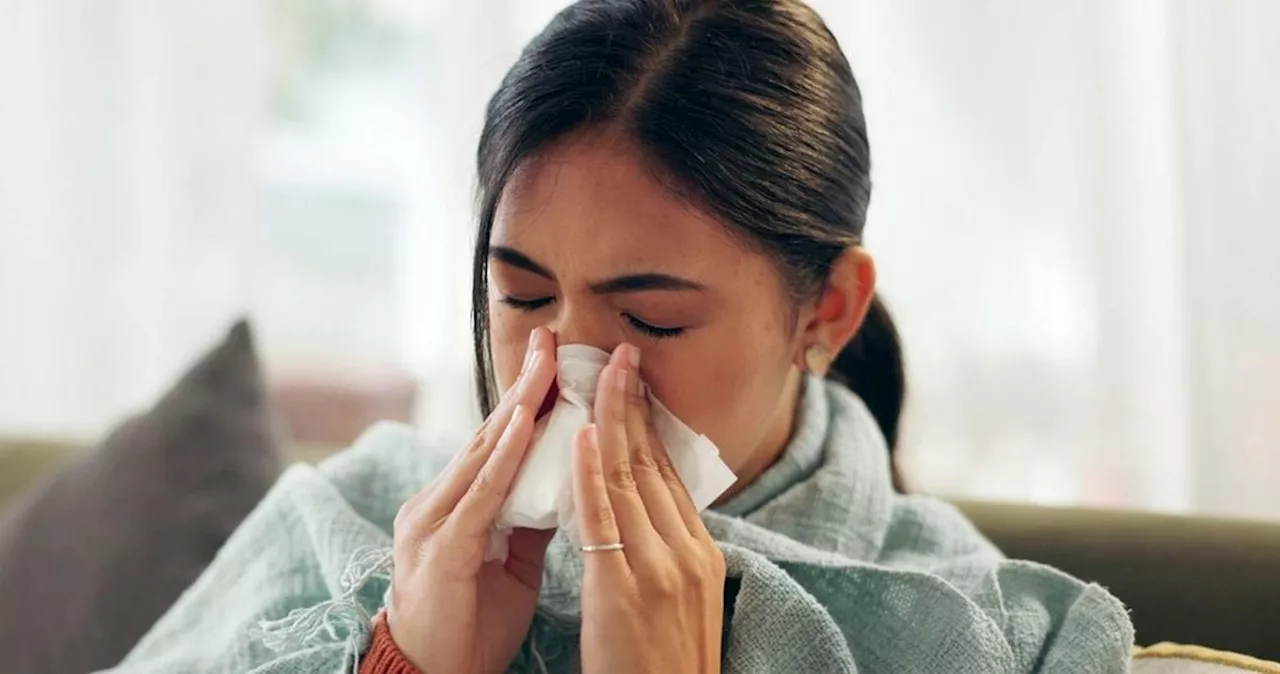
(527, 305)
(652, 330)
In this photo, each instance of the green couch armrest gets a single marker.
(1199, 580)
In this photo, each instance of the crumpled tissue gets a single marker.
(542, 496)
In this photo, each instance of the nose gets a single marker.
(580, 325)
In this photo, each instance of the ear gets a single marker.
(837, 314)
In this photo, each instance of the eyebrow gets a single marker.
(515, 258)
(630, 283)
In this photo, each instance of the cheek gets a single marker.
(509, 331)
(727, 386)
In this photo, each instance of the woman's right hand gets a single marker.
(450, 611)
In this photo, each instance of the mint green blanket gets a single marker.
(830, 570)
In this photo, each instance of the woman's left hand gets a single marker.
(656, 605)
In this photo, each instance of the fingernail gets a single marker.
(528, 352)
(636, 386)
(620, 379)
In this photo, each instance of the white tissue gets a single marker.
(542, 496)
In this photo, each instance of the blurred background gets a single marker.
(1069, 214)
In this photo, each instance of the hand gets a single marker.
(450, 611)
(657, 604)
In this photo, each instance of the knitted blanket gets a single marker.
(829, 571)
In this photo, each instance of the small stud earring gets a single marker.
(816, 360)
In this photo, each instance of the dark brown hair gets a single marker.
(747, 107)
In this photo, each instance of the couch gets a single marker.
(1186, 579)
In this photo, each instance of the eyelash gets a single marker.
(644, 328)
(527, 305)
(653, 330)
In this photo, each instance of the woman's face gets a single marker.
(587, 243)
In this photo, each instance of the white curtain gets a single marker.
(1068, 212)
(1228, 142)
(127, 234)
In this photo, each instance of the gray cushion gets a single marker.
(93, 556)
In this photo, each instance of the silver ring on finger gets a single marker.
(602, 547)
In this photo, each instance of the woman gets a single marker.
(683, 183)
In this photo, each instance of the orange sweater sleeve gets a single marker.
(383, 656)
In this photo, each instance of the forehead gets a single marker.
(590, 204)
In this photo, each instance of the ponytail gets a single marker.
(871, 365)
